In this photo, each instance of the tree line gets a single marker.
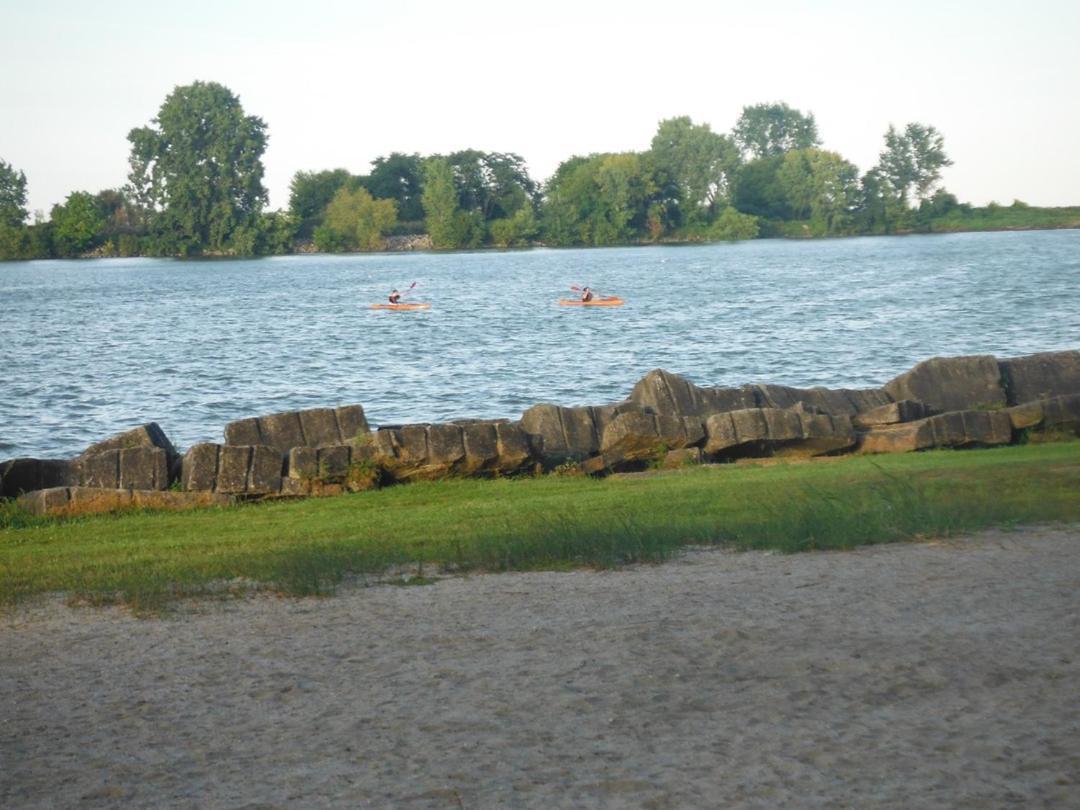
(196, 188)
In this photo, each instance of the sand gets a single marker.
(916, 675)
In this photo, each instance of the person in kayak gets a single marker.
(395, 297)
(586, 295)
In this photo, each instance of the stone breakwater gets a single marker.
(974, 401)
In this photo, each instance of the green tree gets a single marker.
(732, 226)
(698, 165)
(78, 224)
(515, 230)
(440, 202)
(12, 196)
(199, 171)
(602, 199)
(311, 192)
(765, 130)
(398, 177)
(356, 220)
(912, 161)
(820, 186)
(493, 185)
(758, 190)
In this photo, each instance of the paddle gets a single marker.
(408, 290)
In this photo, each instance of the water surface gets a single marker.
(94, 347)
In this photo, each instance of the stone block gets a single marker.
(952, 384)
(903, 438)
(45, 501)
(672, 395)
(631, 436)
(282, 431)
(480, 445)
(543, 420)
(303, 463)
(89, 500)
(199, 468)
(351, 422)
(1062, 412)
(232, 474)
(579, 428)
(319, 427)
(20, 475)
(514, 449)
(149, 435)
(100, 470)
(1041, 376)
(412, 444)
(244, 432)
(683, 457)
(445, 446)
(264, 471)
(333, 462)
(144, 468)
(720, 434)
(1027, 415)
(892, 413)
(841, 401)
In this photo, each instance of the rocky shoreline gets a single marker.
(667, 421)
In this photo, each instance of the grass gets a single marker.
(1007, 217)
(147, 560)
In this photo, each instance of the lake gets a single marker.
(94, 347)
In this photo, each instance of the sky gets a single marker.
(339, 83)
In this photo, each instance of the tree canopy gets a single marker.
(697, 164)
(199, 170)
(912, 161)
(765, 130)
(12, 195)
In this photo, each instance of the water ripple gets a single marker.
(91, 348)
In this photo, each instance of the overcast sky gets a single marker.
(339, 83)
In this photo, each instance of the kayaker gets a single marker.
(395, 297)
(586, 295)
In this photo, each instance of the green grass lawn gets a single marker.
(307, 547)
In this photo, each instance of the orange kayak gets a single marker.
(401, 307)
(604, 301)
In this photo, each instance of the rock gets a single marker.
(403, 451)
(264, 471)
(99, 470)
(636, 435)
(1055, 413)
(595, 465)
(316, 427)
(72, 501)
(893, 413)
(566, 434)
(481, 447)
(903, 438)
(777, 431)
(841, 401)
(445, 446)
(515, 452)
(1041, 376)
(685, 457)
(19, 475)
(232, 469)
(669, 394)
(144, 468)
(1062, 412)
(198, 469)
(148, 435)
(954, 429)
(945, 384)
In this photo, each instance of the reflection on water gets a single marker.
(94, 347)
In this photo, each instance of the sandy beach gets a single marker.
(939, 674)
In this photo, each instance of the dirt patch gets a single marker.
(934, 674)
